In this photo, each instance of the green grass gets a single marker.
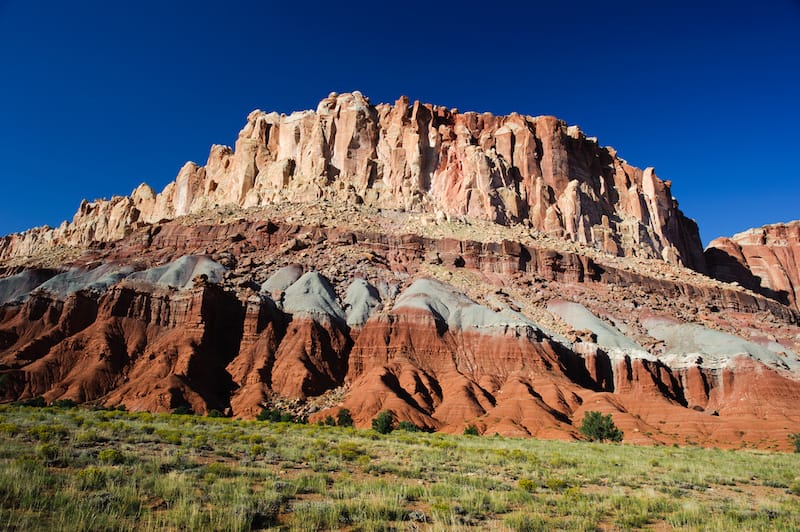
(77, 469)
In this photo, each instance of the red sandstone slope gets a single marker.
(434, 356)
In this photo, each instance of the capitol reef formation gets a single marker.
(455, 268)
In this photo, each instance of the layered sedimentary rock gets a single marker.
(171, 335)
(422, 157)
(765, 260)
(455, 268)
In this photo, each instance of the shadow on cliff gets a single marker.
(724, 267)
(222, 337)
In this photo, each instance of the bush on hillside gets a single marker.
(383, 422)
(796, 441)
(598, 427)
(276, 415)
(36, 402)
(407, 426)
(343, 418)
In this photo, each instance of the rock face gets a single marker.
(419, 157)
(293, 317)
(456, 268)
(765, 260)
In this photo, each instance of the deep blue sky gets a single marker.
(96, 97)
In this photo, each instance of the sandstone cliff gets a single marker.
(236, 315)
(455, 268)
(418, 157)
(765, 260)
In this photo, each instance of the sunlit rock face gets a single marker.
(413, 156)
(455, 268)
(765, 259)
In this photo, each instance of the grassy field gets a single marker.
(77, 469)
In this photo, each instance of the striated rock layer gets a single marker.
(241, 315)
(455, 268)
(765, 260)
(419, 157)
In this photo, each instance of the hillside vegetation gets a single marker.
(78, 469)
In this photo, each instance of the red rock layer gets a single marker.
(521, 384)
(766, 260)
(503, 261)
(157, 349)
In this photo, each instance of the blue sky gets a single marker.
(97, 97)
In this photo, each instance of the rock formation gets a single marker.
(420, 157)
(765, 260)
(456, 268)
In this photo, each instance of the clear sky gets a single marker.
(97, 97)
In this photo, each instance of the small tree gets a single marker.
(598, 427)
(37, 402)
(471, 430)
(384, 422)
(276, 414)
(796, 441)
(65, 403)
(343, 418)
(407, 426)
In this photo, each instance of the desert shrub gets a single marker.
(200, 441)
(37, 402)
(343, 418)
(267, 415)
(527, 484)
(183, 410)
(276, 415)
(443, 444)
(795, 438)
(48, 451)
(65, 403)
(48, 432)
(111, 456)
(257, 450)
(173, 437)
(556, 484)
(261, 514)
(598, 427)
(471, 430)
(349, 451)
(559, 461)
(526, 523)
(91, 478)
(407, 426)
(329, 421)
(218, 469)
(215, 413)
(383, 422)
(10, 429)
(89, 437)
